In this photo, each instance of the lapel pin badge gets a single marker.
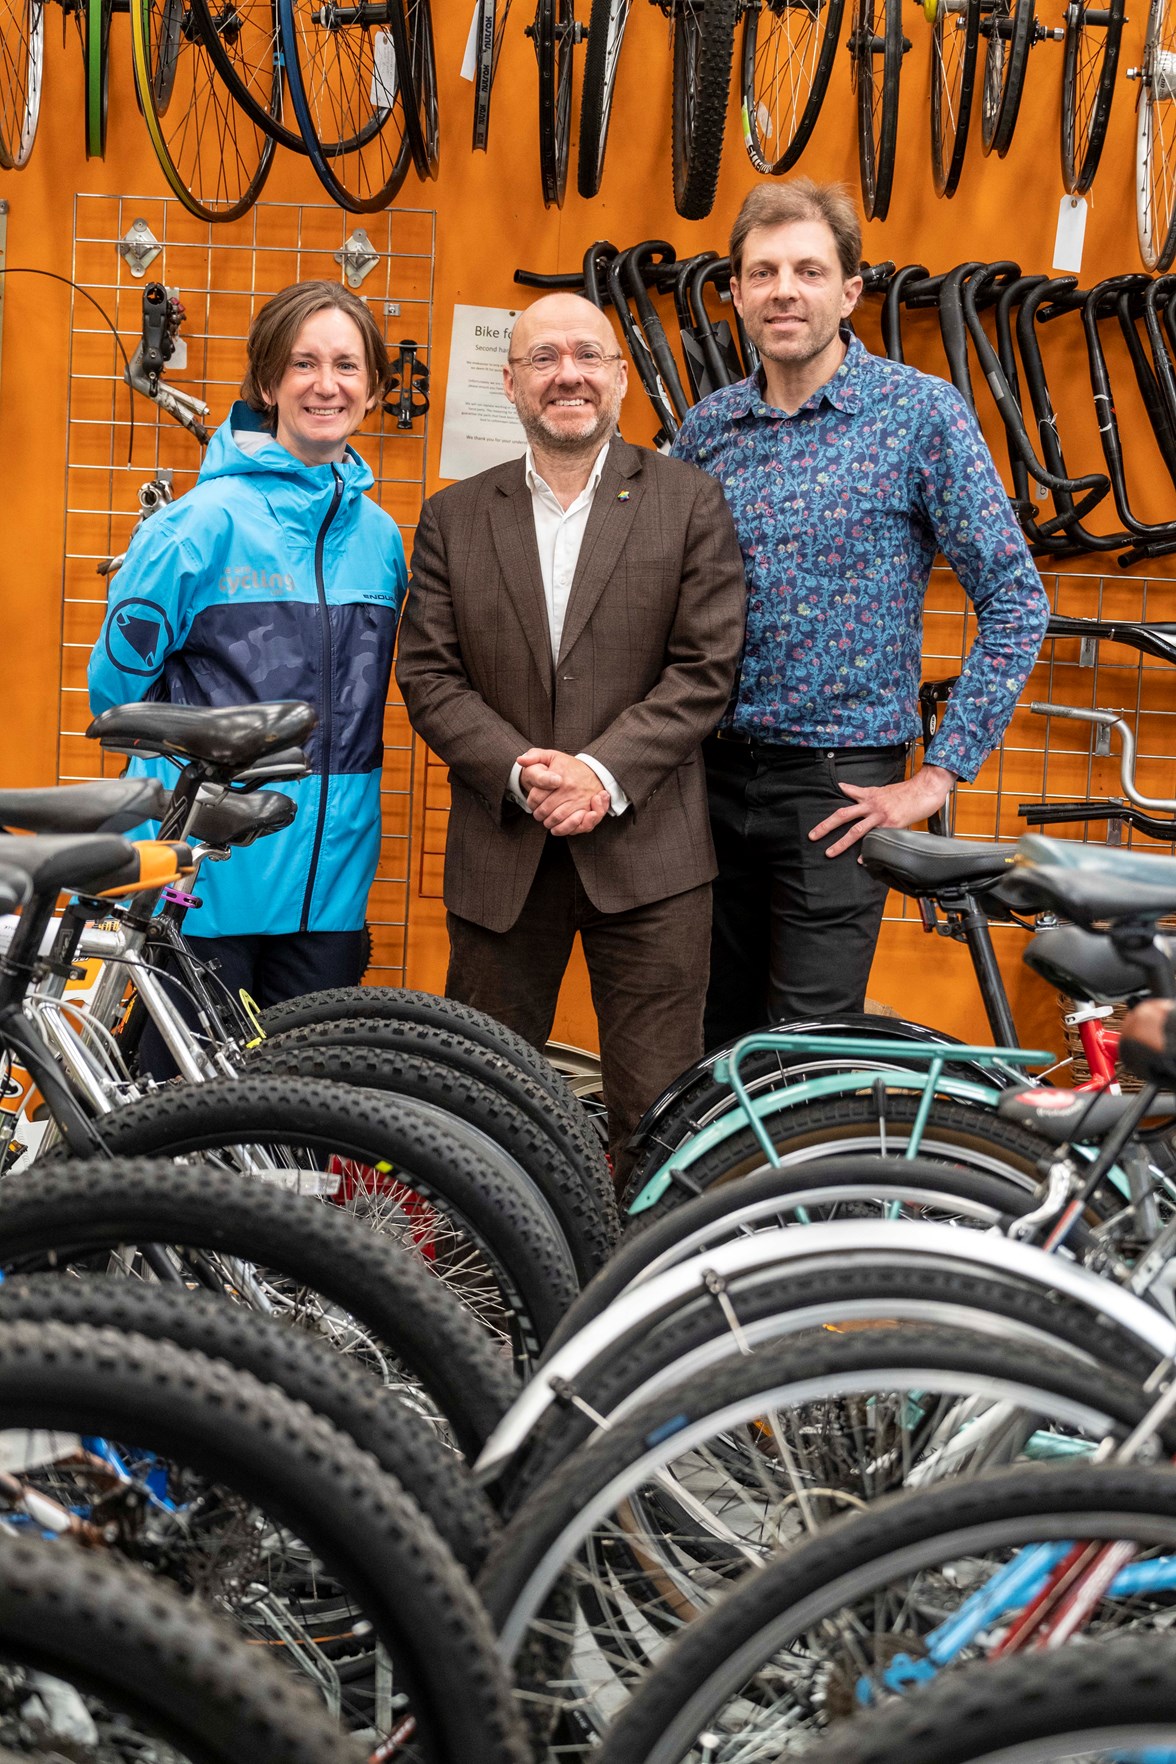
(622, 495)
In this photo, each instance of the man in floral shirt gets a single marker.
(846, 475)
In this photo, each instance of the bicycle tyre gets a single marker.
(53, 1216)
(96, 54)
(769, 1306)
(554, 35)
(1005, 64)
(578, 1544)
(422, 119)
(998, 1511)
(513, 1235)
(350, 1003)
(401, 1441)
(352, 104)
(22, 49)
(214, 157)
(704, 47)
(448, 1045)
(953, 83)
(606, 31)
(136, 1643)
(244, 45)
(1086, 115)
(527, 1148)
(226, 1426)
(877, 100)
(774, 134)
(1155, 148)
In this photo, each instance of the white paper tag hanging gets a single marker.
(469, 61)
(385, 73)
(1071, 232)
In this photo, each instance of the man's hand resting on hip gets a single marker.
(886, 805)
(563, 793)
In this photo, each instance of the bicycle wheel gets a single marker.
(349, 75)
(788, 51)
(421, 117)
(214, 157)
(96, 47)
(488, 1238)
(703, 46)
(243, 43)
(1008, 38)
(953, 79)
(554, 34)
(297, 1535)
(1090, 61)
(877, 69)
(1155, 140)
(827, 1629)
(647, 1527)
(606, 32)
(319, 1269)
(127, 1649)
(22, 49)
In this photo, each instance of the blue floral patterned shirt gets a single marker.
(841, 508)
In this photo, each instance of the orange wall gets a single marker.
(490, 220)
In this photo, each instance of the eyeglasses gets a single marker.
(545, 358)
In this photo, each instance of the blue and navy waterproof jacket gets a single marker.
(270, 579)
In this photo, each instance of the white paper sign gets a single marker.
(1070, 234)
(480, 428)
(469, 61)
(385, 73)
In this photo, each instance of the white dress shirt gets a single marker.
(559, 534)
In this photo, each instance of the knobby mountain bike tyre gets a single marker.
(1008, 33)
(770, 1306)
(649, 1524)
(212, 154)
(876, 1562)
(155, 1657)
(606, 33)
(876, 46)
(1090, 62)
(96, 52)
(704, 45)
(22, 57)
(489, 1238)
(276, 1455)
(59, 1217)
(400, 1440)
(350, 87)
(787, 56)
(1155, 141)
(954, 47)
(501, 1131)
(350, 1003)
(553, 33)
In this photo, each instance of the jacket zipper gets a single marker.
(326, 696)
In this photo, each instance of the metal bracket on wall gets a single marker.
(139, 247)
(3, 260)
(358, 258)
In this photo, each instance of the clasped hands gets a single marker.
(563, 794)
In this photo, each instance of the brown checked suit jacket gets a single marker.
(650, 645)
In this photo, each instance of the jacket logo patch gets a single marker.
(138, 636)
(259, 581)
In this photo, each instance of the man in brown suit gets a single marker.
(572, 630)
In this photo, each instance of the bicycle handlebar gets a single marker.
(1111, 720)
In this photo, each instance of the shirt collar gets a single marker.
(536, 482)
(844, 391)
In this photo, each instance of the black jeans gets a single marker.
(793, 931)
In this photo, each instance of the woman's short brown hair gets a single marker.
(800, 199)
(275, 329)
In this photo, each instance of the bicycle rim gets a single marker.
(877, 67)
(787, 57)
(1155, 147)
(955, 44)
(97, 48)
(213, 156)
(242, 39)
(554, 36)
(1006, 53)
(606, 32)
(1089, 65)
(22, 49)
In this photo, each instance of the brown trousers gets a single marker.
(647, 968)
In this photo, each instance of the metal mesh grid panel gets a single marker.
(117, 440)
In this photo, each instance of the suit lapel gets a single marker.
(614, 506)
(512, 524)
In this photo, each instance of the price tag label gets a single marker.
(1071, 232)
(469, 61)
(385, 73)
